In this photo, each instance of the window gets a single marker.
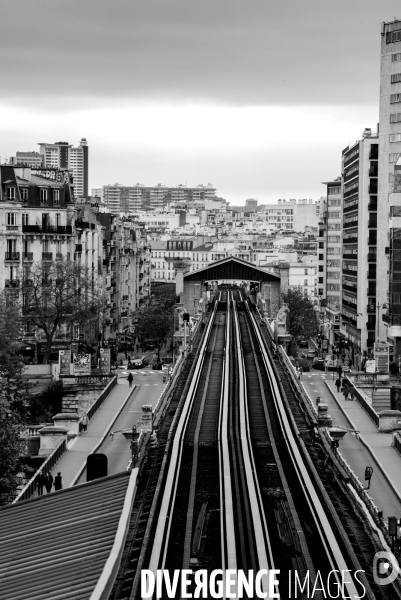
(351, 171)
(334, 215)
(305, 271)
(334, 190)
(10, 193)
(320, 268)
(305, 282)
(58, 219)
(56, 196)
(24, 194)
(396, 57)
(333, 202)
(395, 137)
(11, 218)
(334, 238)
(25, 218)
(395, 117)
(393, 157)
(321, 256)
(320, 292)
(395, 98)
(43, 196)
(396, 77)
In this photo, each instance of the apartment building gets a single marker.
(329, 258)
(388, 292)
(27, 159)
(122, 198)
(291, 215)
(359, 221)
(62, 155)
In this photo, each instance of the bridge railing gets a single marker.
(29, 490)
(99, 401)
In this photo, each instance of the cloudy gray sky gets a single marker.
(258, 98)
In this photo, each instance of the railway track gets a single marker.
(235, 492)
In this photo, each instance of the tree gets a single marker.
(155, 320)
(59, 293)
(14, 406)
(303, 319)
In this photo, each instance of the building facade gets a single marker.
(388, 296)
(62, 155)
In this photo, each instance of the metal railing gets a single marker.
(397, 442)
(30, 488)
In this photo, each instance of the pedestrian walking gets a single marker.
(130, 379)
(40, 482)
(300, 373)
(49, 482)
(58, 482)
(352, 395)
(346, 392)
(339, 371)
(338, 384)
(84, 422)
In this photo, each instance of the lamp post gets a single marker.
(378, 306)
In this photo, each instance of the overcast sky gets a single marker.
(258, 98)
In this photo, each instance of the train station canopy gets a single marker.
(231, 268)
(66, 543)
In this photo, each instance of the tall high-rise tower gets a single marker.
(65, 156)
(388, 284)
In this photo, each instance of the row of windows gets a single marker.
(352, 170)
(11, 218)
(395, 137)
(396, 57)
(336, 202)
(334, 227)
(334, 238)
(394, 156)
(352, 234)
(333, 275)
(394, 98)
(332, 250)
(393, 36)
(334, 215)
(352, 186)
(43, 194)
(350, 299)
(333, 190)
(333, 263)
(352, 154)
(395, 117)
(396, 77)
(349, 282)
(350, 266)
(350, 219)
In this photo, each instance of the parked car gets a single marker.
(318, 363)
(138, 363)
(310, 353)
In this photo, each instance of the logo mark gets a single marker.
(385, 568)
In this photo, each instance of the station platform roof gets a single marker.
(57, 545)
(231, 267)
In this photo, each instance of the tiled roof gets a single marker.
(56, 546)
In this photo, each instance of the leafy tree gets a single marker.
(14, 406)
(59, 293)
(155, 320)
(303, 319)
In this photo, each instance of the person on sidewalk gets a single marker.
(130, 379)
(58, 482)
(40, 482)
(84, 422)
(300, 373)
(352, 395)
(338, 384)
(49, 482)
(339, 371)
(346, 392)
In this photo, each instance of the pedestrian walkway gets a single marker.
(75, 457)
(368, 448)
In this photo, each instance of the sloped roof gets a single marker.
(231, 267)
(56, 546)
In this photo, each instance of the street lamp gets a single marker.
(378, 306)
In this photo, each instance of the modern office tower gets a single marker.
(140, 197)
(359, 221)
(329, 259)
(388, 296)
(62, 155)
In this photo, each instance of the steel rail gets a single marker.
(263, 548)
(333, 551)
(162, 534)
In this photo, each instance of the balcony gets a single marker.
(350, 257)
(371, 308)
(372, 224)
(372, 206)
(11, 283)
(82, 225)
(373, 189)
(47, 255)
(350, 288)
(372, 274)
(371, 325)
(31, 229)
(372, 257)
(27, 283)
(11, 227)
(351, 224)
(44, 229)
(64, 229)
(372, 240)
(27, 256)
(12, 256)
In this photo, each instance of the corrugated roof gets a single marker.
(56, 546)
